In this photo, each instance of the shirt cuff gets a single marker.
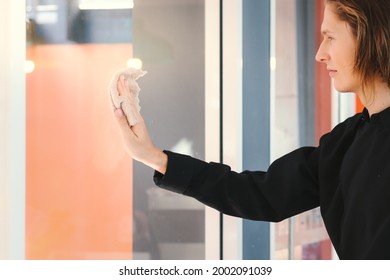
(178, 174)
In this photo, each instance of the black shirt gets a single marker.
(347, 175)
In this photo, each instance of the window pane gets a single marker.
(169, 39)
(85, 198)
(303, 236)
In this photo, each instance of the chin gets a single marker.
(341, 88)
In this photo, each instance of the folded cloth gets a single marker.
(129, 100)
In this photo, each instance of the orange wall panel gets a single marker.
(78, 177)
(323, 90)
(359, 105)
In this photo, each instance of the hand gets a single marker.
(137, 142)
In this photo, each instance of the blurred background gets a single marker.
(231, 81)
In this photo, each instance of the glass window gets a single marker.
(303, 236)
(85, 198)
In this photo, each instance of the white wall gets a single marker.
(12, 129)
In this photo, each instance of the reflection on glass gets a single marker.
(85, 199)
(308, 239)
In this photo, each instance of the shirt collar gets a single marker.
(382, 117)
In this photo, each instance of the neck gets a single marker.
(378, 98)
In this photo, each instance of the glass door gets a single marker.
(85, 198)
(297, 113)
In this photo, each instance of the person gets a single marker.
(347, 175)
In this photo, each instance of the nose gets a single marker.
(322, 55)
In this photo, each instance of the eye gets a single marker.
(330, 38)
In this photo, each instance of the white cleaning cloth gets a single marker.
(129, 100)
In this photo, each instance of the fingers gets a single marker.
(123, 90)
(122, 120)
(138, 130)
(135, 138)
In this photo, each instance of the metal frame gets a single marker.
(212, 117)
(224, 111)
(232, 113)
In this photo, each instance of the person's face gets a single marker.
(337, 50)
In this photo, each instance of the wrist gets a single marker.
(158, 161)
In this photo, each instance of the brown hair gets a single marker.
(370, 24)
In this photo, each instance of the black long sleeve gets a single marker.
(256, 195)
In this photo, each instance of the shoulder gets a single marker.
(344, 128)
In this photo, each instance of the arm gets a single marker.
(288, 187)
